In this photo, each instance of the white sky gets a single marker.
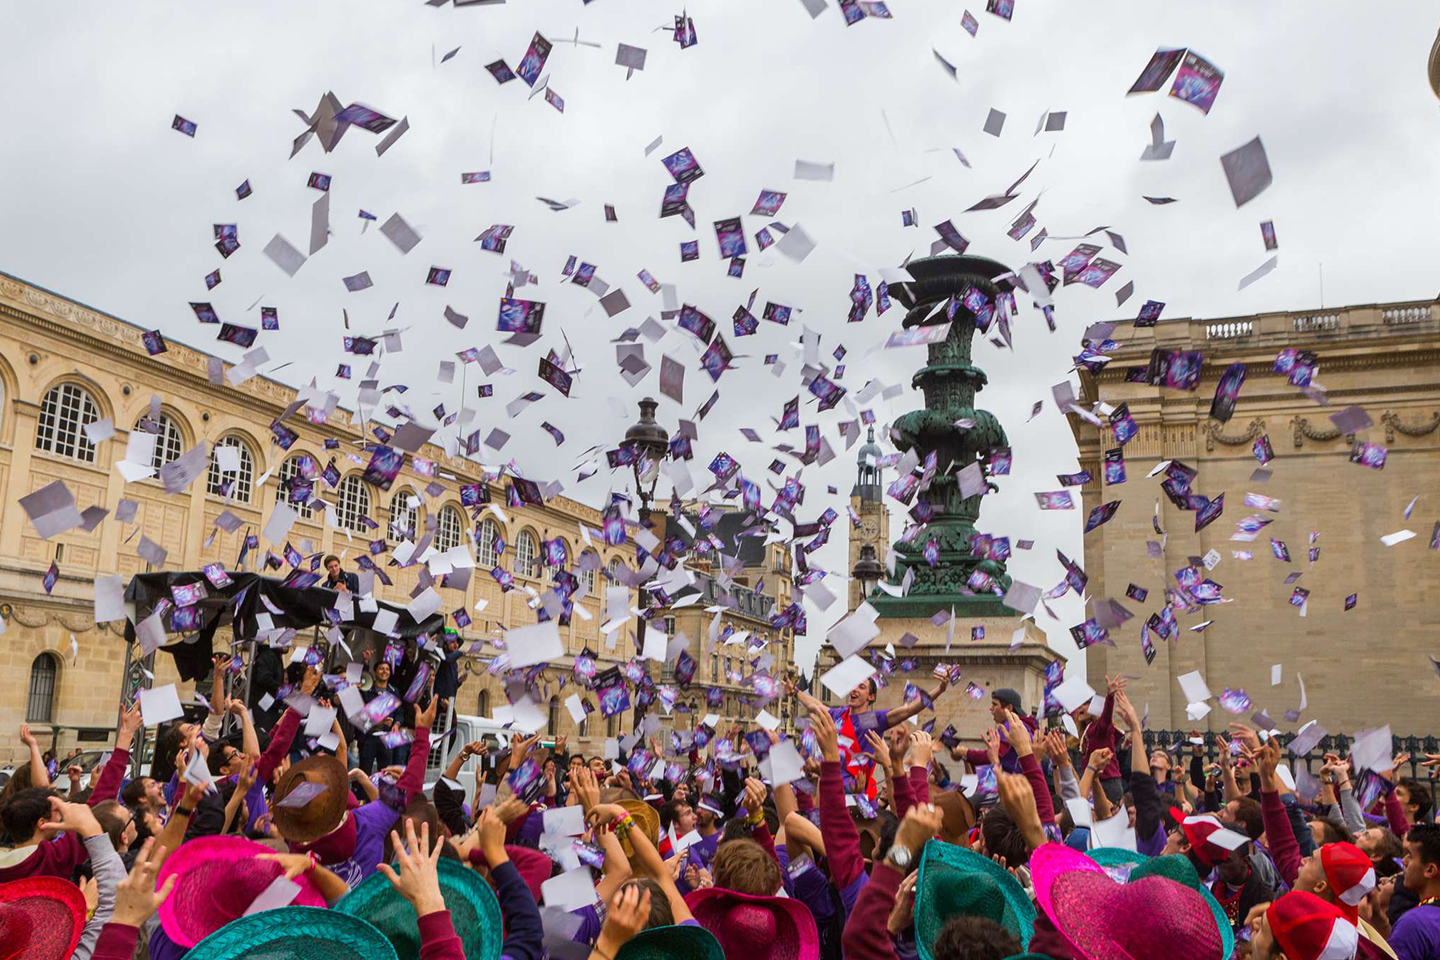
(103, 202)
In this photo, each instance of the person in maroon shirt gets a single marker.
(33, 817)
(1100, 733)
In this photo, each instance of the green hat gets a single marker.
(1127, 865)
(474, 911)
(663, 943)
(955, 881)
(310, 932)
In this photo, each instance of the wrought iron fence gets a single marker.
(1338, 744)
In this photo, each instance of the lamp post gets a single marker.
(652, 445)
(867, 570)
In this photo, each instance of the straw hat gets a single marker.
(756, 928)
(41, 918)
(1150, 916)
(666, 943)
(323, 813)
(474, 911)
(217, 878)
(308, 932)
(646, 817)
(1125, 866)
(955, 881)
(958, 813)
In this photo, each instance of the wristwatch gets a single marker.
(899, 857)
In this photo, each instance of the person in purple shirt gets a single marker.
(859, 716)
(1002, 701)
(354, 847)
(1416, 935)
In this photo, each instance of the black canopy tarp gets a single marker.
(299, 608)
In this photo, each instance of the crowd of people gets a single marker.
(253, 840)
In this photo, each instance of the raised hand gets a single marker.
(1100, 759)
(490, 829)
(136, 898)
(1055, 747)
(1018, 734)
(628, 914)
(991, 736)
(1246, 735)
(922, 748)
(921, 822)
(584, 787)
(426, 718)
(130, 724)
(880, 749)
(754, 795)
(1018, 800)
(510, 809)
(826, 735)
(419, 877)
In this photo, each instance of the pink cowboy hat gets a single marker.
(756, 928)
(218, 879)
(1103, 920)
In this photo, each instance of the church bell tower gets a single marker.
(867, 499)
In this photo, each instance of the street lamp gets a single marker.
(652, 443)
(868, 570)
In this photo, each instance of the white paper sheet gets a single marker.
(160, 705)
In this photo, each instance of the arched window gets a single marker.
(553, 726)
(715, 668)
(482, 708)
(616, 565)
(569, 560)
(527, 562)
(64, 412)
(612, 724)
(241, 481)
(352, 501)
(168, 442)
(289, 469)
(44, 671)
(450, 528)
(404, 516)
(587, 580)
(488, 532)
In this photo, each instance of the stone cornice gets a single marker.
(1212, 368)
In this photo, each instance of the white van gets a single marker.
(469, 729)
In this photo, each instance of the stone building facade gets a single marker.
(1360, 667)
(63, 364)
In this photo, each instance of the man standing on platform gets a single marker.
(859, 716)
(338, 579)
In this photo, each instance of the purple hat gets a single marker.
(1104, 920)
(217, 880)
(756, 928)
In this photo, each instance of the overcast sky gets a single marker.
(102, 202)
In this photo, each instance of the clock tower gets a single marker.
(868, 502)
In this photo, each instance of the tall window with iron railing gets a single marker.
(44, 672)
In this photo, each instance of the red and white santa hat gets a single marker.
(1350, 874)
(1308, 928)
(1211, 840)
